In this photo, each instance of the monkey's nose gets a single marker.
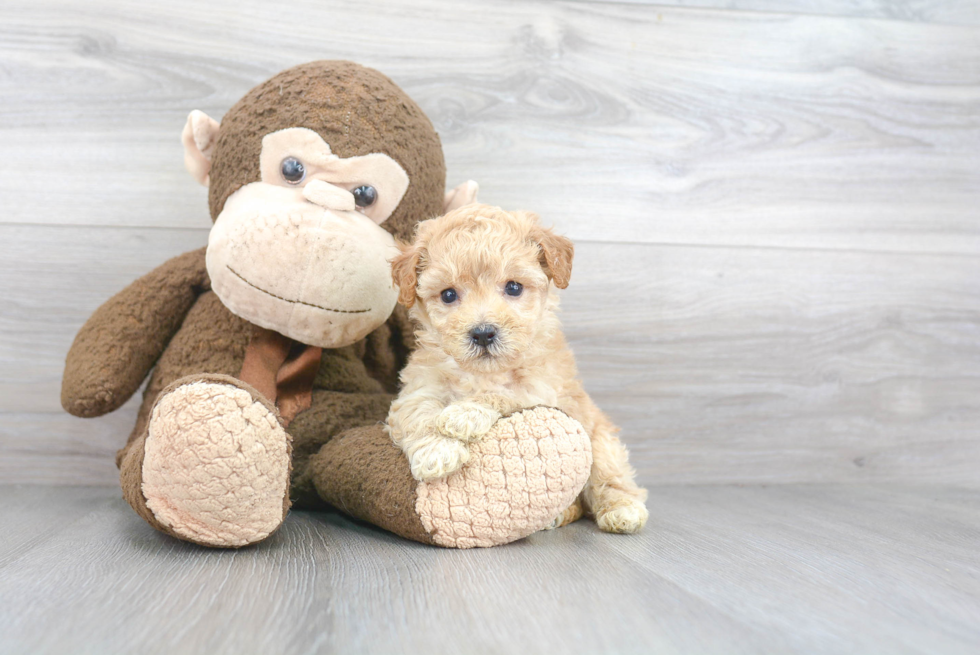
(329, 196)
(483, 335)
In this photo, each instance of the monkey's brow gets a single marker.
(299, 302)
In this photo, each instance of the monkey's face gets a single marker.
(302, 250)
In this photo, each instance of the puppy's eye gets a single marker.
(513, 288)
(292, 170)
(365, 195)
(448, 296)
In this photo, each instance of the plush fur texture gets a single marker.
(216, 464)
(500, 270)
(357, 110)
(522, 474)
(526, 470)
(170, 321)
(204, 462)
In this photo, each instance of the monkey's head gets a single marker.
(311, 176)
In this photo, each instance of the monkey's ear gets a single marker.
(404, 272)
(464, 194)
(556, 253)
(200, 133)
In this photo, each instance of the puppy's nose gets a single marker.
(483, 335)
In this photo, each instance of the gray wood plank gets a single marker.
(30, 514)
(52, 279)
(812, 569)
(954, 12)
(789, 366)
(57, 449)
(618, 122)
(721, 364)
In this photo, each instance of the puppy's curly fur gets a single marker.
(480, 283)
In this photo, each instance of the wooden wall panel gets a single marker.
(617, 122)
(721, 364)
(954, 12)
(776, 213)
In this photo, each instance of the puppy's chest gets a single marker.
(523, 391)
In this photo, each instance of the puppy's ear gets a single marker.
(556, 253)
(404, 272)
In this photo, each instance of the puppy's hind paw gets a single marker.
(466, 420)
(571, 514)
(626, 518)
(438, 458)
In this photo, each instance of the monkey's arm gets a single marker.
(122, 340)
(386, 349)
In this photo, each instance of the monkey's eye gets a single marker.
(292, 170)
(513, 288)
(448, 296)
(365, 195)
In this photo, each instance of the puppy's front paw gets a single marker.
(625, 517)
(438, 458)
(466, 420)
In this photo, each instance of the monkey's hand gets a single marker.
(466, 420)
(122, 340)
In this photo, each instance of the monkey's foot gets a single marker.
(216, 465)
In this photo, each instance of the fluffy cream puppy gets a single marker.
(480, 283)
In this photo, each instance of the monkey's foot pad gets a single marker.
(520, 476)
(216, 465)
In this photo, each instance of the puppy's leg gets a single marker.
(611, 494)
(412, 426)
(466, 420)
(433, 456)
(471, 419)
(571, 514)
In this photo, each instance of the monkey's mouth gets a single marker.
(295, 302)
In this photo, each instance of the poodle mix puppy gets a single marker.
(480, 283)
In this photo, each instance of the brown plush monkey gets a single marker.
(286, 320)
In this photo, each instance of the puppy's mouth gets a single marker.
(493, 356)
(489, 351)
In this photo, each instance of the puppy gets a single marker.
(480, 283)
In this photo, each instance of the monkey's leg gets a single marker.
(329, 414)
(523, 473)
(212, 466)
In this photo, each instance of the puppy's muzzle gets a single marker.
(483, 335)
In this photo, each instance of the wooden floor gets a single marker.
(776, 210)
(722, 569)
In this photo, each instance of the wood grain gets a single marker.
(814, 569)
(778, 247)
(954, 12)
(618, 122)
(721, 364)
(776, 214)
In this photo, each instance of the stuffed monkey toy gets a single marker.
(276, 349)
